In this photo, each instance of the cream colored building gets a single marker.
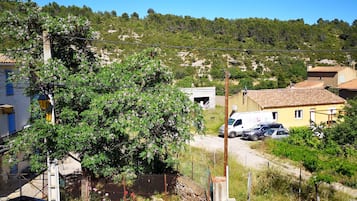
(332, 76)
(290, 106)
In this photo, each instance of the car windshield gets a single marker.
(269, 132)
(231, 121)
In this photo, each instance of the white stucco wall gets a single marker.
(202, 92)
(18, 100)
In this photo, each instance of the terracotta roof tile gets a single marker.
(310, 84)
(334, 69)
(289, 97)
(6, 59)
(352, 84)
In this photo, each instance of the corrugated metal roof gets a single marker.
(289, 97)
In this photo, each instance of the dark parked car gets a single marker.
(258, 131)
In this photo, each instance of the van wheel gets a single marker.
(232, 134)
(254, 138)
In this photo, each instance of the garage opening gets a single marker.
(203, 101)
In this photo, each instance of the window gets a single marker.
(298, 114)
(9, 87)
(238, 122)
(275, 116)
(14, 169)
(332, 111)
(276, 126)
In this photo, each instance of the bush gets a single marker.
(303, 136)
(311, 162)
(346, 168)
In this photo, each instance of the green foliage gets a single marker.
(324, 157)
(214, 118)
(122, 119)
(345, 132)
(245, 34)
(303, 136)
(269, 184)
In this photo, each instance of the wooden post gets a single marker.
(226, 123)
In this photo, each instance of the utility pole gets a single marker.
(53, 193)
(226, 123)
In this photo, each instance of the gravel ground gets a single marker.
(240, 149)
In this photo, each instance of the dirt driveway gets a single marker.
(240, 149)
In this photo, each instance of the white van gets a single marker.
(240, 121)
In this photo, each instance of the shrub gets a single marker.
(346, 168)
(303, 136)
(311, 162)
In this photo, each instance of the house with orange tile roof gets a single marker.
(348, 90)
(14, 104)
(332, 76)
(291, 106)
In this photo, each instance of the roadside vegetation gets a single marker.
(332, 158)
(213, 119)
(268, 184)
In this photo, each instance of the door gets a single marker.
(312, 115)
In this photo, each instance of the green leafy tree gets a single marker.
(345, 132)
(121, 120)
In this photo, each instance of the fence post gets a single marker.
(214, 159)
(249, 185)
(192, 168)
(300, 185)
(208, 194)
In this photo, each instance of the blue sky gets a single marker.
(309, 10)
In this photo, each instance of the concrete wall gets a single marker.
(319, 113)
(333, 79)
(202, 92)
(346, 75)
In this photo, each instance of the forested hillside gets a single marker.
(259, 53)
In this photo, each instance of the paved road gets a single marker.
(251, 158)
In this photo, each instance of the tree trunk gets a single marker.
(85, 185)
(317, 192)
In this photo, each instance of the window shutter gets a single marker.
(11, 123)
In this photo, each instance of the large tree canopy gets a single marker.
(124, 118)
